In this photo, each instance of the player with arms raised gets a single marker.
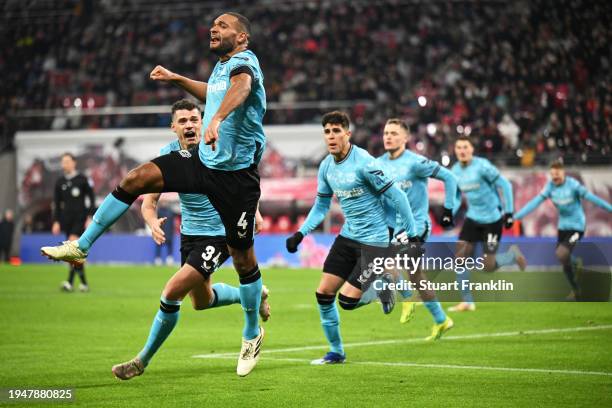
(566, 194)
(479, 181)
(223, 167)
(358, 182)
(411, 172)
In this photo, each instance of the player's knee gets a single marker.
(489, 263)
(325, 298)
(347, 302)
(562, 254)
(243, 261)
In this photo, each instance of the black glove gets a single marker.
(447, 218)
(411, 245)
(293, 241)
(508, 220)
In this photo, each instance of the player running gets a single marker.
(223, 167)
(479, 181)
(359, 184)
(73, 205)
(565, 192)
(411, 172)
(203, 250)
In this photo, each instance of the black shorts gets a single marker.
(569, 238)
(73, 225)
(205, 254)
(234, 194)
(349, 259)
(488, 234)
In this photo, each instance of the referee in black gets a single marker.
(73, 206)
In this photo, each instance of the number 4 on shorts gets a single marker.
(242, 222)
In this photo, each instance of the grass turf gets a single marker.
(55, 339)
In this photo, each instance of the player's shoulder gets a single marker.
(244, 57)
(170, 147)
(572, 182)
(482, 161)
(416, 157)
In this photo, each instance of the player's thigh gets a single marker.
(204, 254)
(180, 171)
(340, 262)
(182, 282)
(235, 195)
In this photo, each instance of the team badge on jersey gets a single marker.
(184, 153)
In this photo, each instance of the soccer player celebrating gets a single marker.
(479, 180)
(565, 192)
(223, 167)
(411, 172)
(359, 184)
(73, 205)
(203, 250)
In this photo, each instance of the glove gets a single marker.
(293, 241)
(508, 220)
(447, 218)
(410, 245)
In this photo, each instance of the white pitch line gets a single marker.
(416, 340)
(460, 367)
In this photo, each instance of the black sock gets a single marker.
(71, 275)
(81, 271)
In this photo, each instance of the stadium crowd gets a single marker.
(535, 84)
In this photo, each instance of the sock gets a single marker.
(330, 322)
(436, 311)
(71, 275)
(466, 294)
(162, 326)
(367, 297)
(80, 270)
(224, 295)
(568, 269)
(250, 298)
(113, 207)
(505, 259)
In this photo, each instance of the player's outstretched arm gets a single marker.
(598, 201)
(315, 217)
(149, 213)
(450, 189)
(195, 88)
(530, 206)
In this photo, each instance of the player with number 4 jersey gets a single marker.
(203, 250)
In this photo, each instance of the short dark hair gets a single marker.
(69, 155)
(557, 164)
(185, 104)
(397, 121)
(336, 118)
(244, 22)
(464, 138)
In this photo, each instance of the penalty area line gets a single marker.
(417, 340)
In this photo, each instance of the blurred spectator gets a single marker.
(7, 226)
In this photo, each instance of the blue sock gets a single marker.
(162, 326)
(505, 259)
(224, 295)
(436, 311)
(330, 322)
(113, 207)
(250, 298)
(466, 294)
(367, 297)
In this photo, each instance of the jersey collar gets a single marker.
(345, 157)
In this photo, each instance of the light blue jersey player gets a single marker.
(411, 172)
(360, 185)
(486, 216)
(566, 193)
(203, 250)
(225, 168)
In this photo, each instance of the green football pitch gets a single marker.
(504, 354)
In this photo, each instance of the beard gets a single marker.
(225, 47)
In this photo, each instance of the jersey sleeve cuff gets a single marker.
(385, 188)
(243, 69)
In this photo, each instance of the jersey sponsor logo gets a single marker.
(562, 200)
(184, 153)
(355, 192)
(217, 86)
(469, 186)
(405, 184)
